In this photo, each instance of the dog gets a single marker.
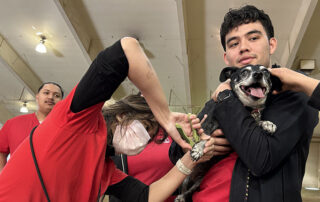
(251, 84)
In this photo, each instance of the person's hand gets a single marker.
(184, 120)
(289, 78)
(295, 81)
(223, 86)
(208, 151)
(217, 145)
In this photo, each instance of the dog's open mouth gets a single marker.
(255, 90)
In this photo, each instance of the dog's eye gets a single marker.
(244, 73)
(265, 71)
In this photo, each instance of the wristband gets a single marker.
(182, 168)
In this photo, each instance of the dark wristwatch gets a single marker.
(224, 95)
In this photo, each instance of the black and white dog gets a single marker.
(251, 84)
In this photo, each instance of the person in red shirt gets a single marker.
(70, 145)
(153, 162)
(15, 130)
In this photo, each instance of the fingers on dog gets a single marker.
(210, 142)
(217, 133)
(220, 153)
(201, 131)
(204, 136)
(204, 118)
(218, 148)
(221, 141)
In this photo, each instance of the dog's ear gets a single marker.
(276, 83)
(227, 72)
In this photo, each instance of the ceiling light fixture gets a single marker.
(41, 48)
(24, 108)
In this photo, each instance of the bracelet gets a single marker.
(182, 168)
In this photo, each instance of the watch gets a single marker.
(224, 95)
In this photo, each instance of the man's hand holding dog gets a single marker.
(215, 145)
(223, 86)
(221, 145)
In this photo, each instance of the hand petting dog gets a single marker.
(294, 81)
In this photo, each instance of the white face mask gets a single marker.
(131, 139)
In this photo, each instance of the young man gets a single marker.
(263, 167)
(15, 130)
(268, 167)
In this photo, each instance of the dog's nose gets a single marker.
(257, 75)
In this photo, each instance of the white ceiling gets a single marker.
(181, 37)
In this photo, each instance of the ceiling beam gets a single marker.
(303, 18)
(19, 67)
(195, 26)
(84, 32)
(71, 13)
(181, 9)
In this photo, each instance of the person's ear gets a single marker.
(37, 97)
(226, 59)
(272, 45)
(118, 117)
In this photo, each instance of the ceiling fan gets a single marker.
(45, 42)
(24, 104)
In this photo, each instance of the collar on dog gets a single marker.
(255, 113)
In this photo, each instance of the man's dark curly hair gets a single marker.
(244, 15)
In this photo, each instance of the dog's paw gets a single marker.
(197, 150)
(268, 126)
(180, 198)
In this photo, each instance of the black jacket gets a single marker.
(276, 162)
(315, 98)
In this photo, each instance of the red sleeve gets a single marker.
(4, 144)
(111, 175)
(117, 176)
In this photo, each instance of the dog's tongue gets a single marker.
(256, 92)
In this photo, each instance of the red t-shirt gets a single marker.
(70, 150)
(15, 130)
(152, 163)
(215, 186)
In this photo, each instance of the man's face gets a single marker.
(249, 44)
(47, 97)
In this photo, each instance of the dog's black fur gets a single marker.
(251, 84)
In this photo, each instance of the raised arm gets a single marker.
(165, 186)
(142, 74)
(110, 68)
(295, 81)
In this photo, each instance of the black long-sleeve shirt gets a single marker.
(314, 100)
(276, 162)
